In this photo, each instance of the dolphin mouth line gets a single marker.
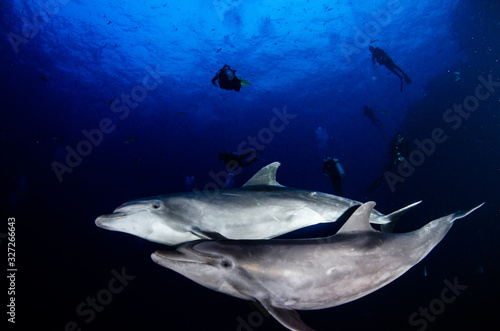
(104, 220)
(186, 262)
(113, 216)
(162, 255)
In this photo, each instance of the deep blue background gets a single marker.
(66, 72)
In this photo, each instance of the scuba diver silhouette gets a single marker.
(368, 112)
(400, 150)
(228, 80)
(233, 159)
(333, 169)
(380, 56)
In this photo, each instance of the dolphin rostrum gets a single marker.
(261, 209)
(307, 274)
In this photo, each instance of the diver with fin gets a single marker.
(228, 80)
(368, 112)
(380, 56)
(333, 170)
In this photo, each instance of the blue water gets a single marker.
(109, 101)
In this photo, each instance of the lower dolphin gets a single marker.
(307, 274)
(261, 209)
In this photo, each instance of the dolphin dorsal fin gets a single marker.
(359, 220)
(265, 176)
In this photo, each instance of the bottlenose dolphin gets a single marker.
(306, 274)
(261, 209)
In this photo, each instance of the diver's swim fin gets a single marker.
(244, 82)
(407, 79)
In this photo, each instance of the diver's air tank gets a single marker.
(339, 167)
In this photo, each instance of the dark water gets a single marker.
(124, 89)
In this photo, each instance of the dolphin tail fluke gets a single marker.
(388, 222)
(463, 213)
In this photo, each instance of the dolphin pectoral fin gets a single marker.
(204, 234)
(289, 318)
(265, 176)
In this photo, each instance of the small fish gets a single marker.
(180, 113)
(130, 140)
(384, 112)
(45, 80)
(425, 271)
(219, 50)
(373, 41)
(109, 22)
(110, 102)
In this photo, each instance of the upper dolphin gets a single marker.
(306, 274)
(261, 209)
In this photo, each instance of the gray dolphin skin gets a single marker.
(261, 209)
(307, 274)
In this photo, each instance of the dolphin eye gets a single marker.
(156, 205)
(226, 264)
